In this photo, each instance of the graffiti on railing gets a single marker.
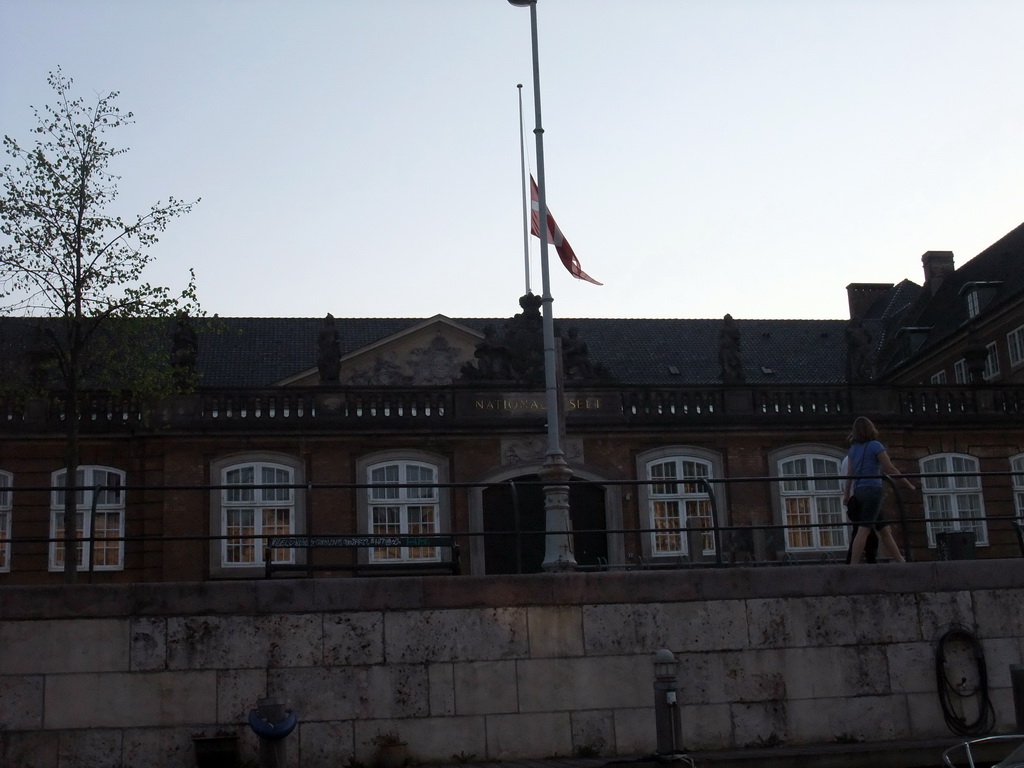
(283, 542)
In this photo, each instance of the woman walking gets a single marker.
(867, 461)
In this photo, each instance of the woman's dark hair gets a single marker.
(863, 431)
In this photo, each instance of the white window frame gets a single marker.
(679, 501)
(973, 303)
(405, 500)
(6, 511)
(811, 504)
(953, 497)
(396, 509)
(1015, 343)
(960, 374)
(1017, 467)
(991, 361)
(110, 514)
(245, 515)
(939, 377)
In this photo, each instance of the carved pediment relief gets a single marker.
(439, 351)
(416, 363)
(429, 354)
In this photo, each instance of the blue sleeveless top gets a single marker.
(864, 461)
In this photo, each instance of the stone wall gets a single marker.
(497, 667)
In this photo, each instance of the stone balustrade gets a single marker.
(404, 408)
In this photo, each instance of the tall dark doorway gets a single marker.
(505, 551)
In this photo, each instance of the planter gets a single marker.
(392, 755)
(216, 751)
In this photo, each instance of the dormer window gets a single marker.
(911, 338)
(978, 294)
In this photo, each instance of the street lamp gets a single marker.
(558, 554)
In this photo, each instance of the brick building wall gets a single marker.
(169, 470)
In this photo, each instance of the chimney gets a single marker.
(937, 266)
(862, 297)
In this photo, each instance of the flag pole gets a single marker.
(526, 202)
(558, 545)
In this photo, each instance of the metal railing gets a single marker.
(732, 544)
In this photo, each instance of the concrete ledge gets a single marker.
(414, 593)
(435, 592)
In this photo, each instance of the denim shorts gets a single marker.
(870, 498)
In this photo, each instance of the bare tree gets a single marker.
(66, 260)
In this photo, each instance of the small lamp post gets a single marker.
(667, 722)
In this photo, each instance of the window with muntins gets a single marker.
(939, 378)
(1015, 342)
(973, 304)
(403, 501)
(960, 371)
(99, 519)
(6, 481)
(1017, 465)
(812, 503)
(991, 361)
(953, 502)
(261, 506)
(679, 506)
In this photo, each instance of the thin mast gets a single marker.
(526, 203)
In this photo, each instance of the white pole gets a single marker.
(525, 191)
(558, 549)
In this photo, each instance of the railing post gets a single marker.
(1017, 684)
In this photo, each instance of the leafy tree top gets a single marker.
(65, 256)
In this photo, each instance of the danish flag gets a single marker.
(555, 237)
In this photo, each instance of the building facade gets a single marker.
(398, 445)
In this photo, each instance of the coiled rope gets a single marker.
(953, 694)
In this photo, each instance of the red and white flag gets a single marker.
(555, 237)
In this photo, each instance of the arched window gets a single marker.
(953, 502)
(6, 481)
(404, 498)
(258, 501)
(99, 500)
(811, 501)
(399, 510)
(677, 503)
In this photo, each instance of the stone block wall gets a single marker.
(498, 668)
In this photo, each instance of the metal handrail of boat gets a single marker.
(1013, 760)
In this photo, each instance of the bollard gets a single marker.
(667, 722)
(1017, 685)
(272, 724)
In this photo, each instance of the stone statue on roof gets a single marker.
(524, 339)
(858, 352)
(729, 352)
(575, 356)
(328, 361)
(516, 355)
(492, 356)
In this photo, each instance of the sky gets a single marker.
(702, 157)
